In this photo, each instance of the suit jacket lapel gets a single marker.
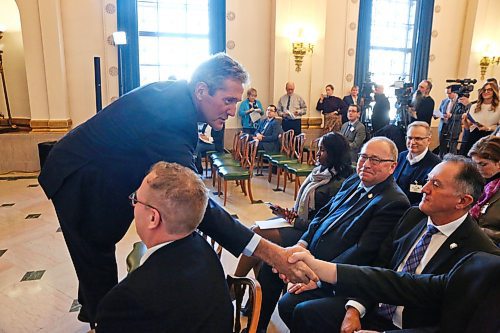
(407, 242)
(446, 251)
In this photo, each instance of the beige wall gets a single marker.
(61, 37)
(13, 62)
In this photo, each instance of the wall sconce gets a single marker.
(485, 63)
(299, 50)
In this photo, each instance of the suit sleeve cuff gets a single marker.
(303, 242)
(358, 306)
(252, 245)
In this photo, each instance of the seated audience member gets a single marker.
(395, 133)
(422, 243)
(331, 107)
(415, 163)
(351, 227)
(180, 285)
(333, 167)
(486, 154)
(249, 105)
(464, 300)
(354, 131)
(483, 118)
(380, 113)
(268, 131)
(291, 107)
(352, 98)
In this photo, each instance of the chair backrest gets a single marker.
(287, 142)
(312, 151)
(250, 155)
(298, 146)
(241, 148)
(216, 246)
(239, 285)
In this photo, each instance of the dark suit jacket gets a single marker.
(356, 237)
(180, 288)
(270, 143)
(467, 237)
(156, 122)
(355, 137)
(406, 174)
(466, 298)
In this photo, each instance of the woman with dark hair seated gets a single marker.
(333, 166)
(486, 154)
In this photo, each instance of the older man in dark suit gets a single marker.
(415, 163)
(430, 239)
(351, 227)
(159, 295)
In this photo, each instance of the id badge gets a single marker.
(415, 188)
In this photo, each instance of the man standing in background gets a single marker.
(291, 107)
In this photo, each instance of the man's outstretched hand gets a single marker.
(277, 257)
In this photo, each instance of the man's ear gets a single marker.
(155, 219)
(200, 90)
(465, 202)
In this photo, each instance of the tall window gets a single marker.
(173, 38)
(392, 33)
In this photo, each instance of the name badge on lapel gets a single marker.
(415, 188)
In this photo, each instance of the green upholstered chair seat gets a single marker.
(215, 155)
(270, 156)
(230, 162)
(233, 173)
(299, 169)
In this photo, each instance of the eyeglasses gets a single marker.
(416, 138)
(134, 201)
(488, 90)
(374, 160)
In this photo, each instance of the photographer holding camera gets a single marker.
(422, 104)
(380, 114)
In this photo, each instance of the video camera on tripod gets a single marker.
(367, 89)
(463, 87)
(403, 92)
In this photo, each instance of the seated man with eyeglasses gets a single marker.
(349, 229)
(180, 284)
(415, 163)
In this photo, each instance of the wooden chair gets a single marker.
(215, 155)
(235, 159)
(242, 174)
(239, 285)
(285, 152)
(297, 170)
(295, 157)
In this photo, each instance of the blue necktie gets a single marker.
(386, 310)
(334, 216)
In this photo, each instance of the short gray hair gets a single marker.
(392, 146)
(468, 179)
(183, 196)
(216, 70)
(421, 124)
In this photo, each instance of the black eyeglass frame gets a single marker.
(373, 160)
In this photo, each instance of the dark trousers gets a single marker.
(472, 138)
(295, 124)
(91, 231)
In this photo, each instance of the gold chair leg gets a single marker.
(250, 195)
(243, 187)
(225, 191)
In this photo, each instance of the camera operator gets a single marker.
(445, 109)
(482, 119)
(380, 114)
(423, 104)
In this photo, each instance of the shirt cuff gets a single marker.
(303, 242)
(358, 306)
(252, 245)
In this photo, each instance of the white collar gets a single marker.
(152, 250)
(417, 158)
(448, 228)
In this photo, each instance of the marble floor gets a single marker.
(38, 285)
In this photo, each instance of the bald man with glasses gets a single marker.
(349, 229)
